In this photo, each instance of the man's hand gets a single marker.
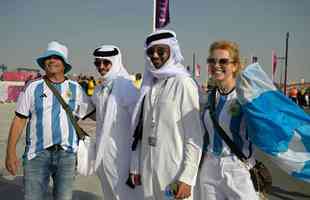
(184, 190)
(133, 180)
(12, 162)
(136, 178)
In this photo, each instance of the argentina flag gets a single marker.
(276, 124)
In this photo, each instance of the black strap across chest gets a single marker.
(234, 148)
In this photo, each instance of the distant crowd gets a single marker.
(300, 96)
(88, 83)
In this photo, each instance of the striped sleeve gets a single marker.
(24, 102)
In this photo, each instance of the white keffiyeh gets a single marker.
(117, 95)
(173, 67)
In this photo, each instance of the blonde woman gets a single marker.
(223, 176)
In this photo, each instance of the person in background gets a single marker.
(138, 80)
(83, 83)
(167, 146)
(303, 97)
(91, 84)
(51, 140)
(30, 78)
(307, 97)
(293, 93)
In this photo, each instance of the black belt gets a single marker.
(55, 147)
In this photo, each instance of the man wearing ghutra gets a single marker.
(114, 100)
(167, 151)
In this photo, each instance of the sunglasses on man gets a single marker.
(161, 51)
(221, 61)
(98, 62)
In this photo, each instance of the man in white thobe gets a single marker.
(114, 100)
(169, 146)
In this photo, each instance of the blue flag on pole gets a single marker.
(162, 13)
(276, 125)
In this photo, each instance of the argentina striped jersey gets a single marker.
(48, 123)
(230, 117)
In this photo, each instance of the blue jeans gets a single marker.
(56, 163)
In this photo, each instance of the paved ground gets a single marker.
(284, 187)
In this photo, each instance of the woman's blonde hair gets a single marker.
(232, 48)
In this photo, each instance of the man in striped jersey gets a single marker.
(51, 140)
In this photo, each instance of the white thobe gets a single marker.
(116, 143)
(172, 136)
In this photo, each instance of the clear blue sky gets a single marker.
(257, 25)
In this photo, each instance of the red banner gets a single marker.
(162, 13)
(13, 93)
(18, 76)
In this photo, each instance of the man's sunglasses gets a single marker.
(159, 50)
(221, 61)
(105, 62)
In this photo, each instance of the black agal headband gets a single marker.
(159, 36)
(98, 53)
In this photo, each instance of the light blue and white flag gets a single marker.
(276, 124)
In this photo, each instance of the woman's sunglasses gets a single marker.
(221, 61)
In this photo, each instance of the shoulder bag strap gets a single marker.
(79, 131)
(221, 132)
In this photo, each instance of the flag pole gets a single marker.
(285, 70)
(272, 75)
(154, 15)
(194, 65)
(272, 65)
